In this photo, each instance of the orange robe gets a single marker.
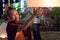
(20, 36)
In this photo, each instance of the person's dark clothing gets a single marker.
(11, 30)
(27, 33)
(36, 31)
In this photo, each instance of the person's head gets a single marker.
(39, 11)
(12, 14)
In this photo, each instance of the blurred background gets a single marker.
(50, 16)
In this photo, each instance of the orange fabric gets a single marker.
(20, 36)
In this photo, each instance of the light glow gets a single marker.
(3, 36)
(44, 3)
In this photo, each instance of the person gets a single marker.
(36, 29)
(13, 22)
(36, 26)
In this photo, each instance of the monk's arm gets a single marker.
(29, 22)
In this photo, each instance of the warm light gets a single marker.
(44, 3)
(3, 36)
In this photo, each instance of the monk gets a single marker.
(13, 24)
